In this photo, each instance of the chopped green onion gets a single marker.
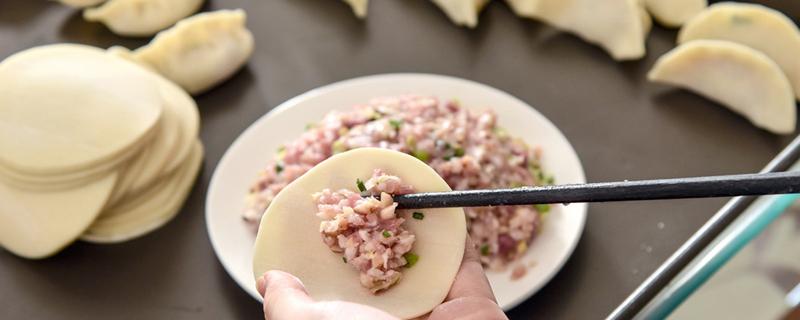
(447, 158)
(550, 180)
(338, 147)
(309, 126)
(360, 185)
(375, 116)
(421, 155)
(411, 259)
(517, 184)
(485, 250)
(542, 208)
(278, 168)
(395, 124)
(281, 148)
(386, 234)
(458, 152)
(418, 215)
(344, 259)
(411, 142)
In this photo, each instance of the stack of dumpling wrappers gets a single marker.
(94, 147)
(102, 145)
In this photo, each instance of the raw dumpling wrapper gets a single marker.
(141, 18)
(202, 51)
(739, 77)
(755, 26)
(289, 236)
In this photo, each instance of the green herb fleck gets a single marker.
(542, 208)
(338, 147)
(411, 142)
(447, 158)
(344, 259)
(395, 124)
(411, 259)
(386, 234)
(458, 152)
(485, 250)
(422, 155)
(281, 148)
(418, 215)
(309, 126)
(517, 184)
(278, 168)
(360, 185)
(550, 180)
(375, 116)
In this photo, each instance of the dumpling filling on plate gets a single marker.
(468, 149)
(367, 230)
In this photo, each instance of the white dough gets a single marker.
(141, 18)
(359, 7)
(524, 8)
(38, 224)
(202, 51)
(617, 26)
(81, 3)
(462, 12)
(150, 210)
(289, 240)
(674, 13)
(67, 108)
(756, 26)
(739, 77)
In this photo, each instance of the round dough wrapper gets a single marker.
(178, 131)
(77, 179)
(149, 210)
(39, 224)
(65, 108)
(756, 26)
(289, 240)
(739, 77)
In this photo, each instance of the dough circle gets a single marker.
(289, 239)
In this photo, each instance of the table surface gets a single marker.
(621, 126)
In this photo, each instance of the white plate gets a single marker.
(233, 240)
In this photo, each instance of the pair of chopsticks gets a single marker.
(679, 188)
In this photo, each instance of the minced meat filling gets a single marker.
(367, 230)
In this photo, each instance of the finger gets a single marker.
(471, 280)
(469, 308)
(285, 297)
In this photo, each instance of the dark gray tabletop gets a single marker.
(621, 126)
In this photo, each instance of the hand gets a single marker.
(470, 297)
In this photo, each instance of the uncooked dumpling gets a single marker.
(739, 77)
(38, 224)
(674, 13)
(755, 26)
(615, 25)
(359, 7)
(202, 51)
(81, 3)
(141, 18)
(289, 236)
(97, 108)
(462, 12)
(524, 8)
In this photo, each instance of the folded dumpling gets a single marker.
(201, 51)
(81, 3)
(359, 7)
(141, 18)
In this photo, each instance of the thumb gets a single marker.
(285, 297)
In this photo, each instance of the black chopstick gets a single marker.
(679, 188)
